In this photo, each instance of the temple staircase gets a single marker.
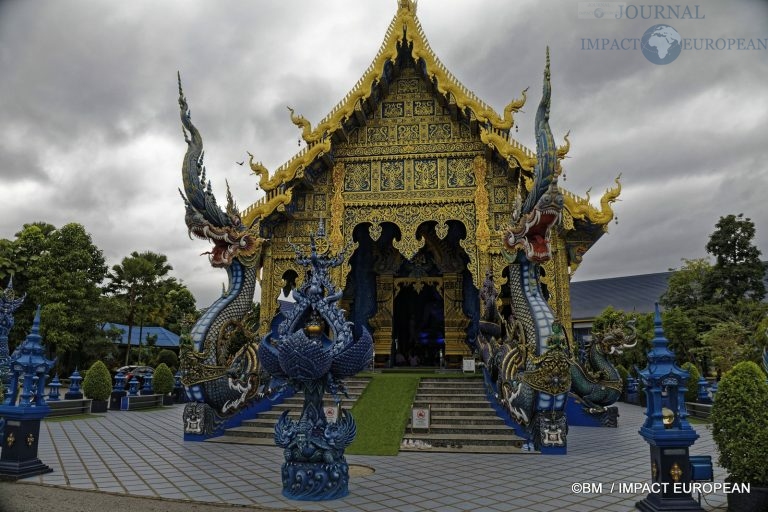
(461, 420)
(261, 430)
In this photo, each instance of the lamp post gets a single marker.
(23, 412)
(666, 428)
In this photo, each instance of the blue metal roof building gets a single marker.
(165, 338)
(628, 293)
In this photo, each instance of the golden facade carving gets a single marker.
(582, 209)
(337, 208)
(481, 205)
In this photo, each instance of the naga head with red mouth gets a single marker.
(533, 231)
(228, 242)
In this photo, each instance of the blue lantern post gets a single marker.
(118, 392)
(703, 391)
(74, 392)
(179, 394)
(55, 384)
(666, 428)
(147, 387)
(23, 412)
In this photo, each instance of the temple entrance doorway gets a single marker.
(419, 323)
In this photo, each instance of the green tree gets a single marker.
(168, 358)
(65, 278)
(686, 285)
(181, 305)
(681, 333)
(738, 272)
(726, 344)
(137, 280)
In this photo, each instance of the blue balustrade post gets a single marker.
(179, 393)
(147, 388)
(703, 392)
(118, 392)
(74, 392)
(133, 386)
(712, 391)
(632, 390)
(54, 385)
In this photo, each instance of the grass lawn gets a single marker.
(382, 411)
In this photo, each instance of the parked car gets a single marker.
(135, 370)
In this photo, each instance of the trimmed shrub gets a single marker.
(97, 384)
(693, 382)
(168, 357)
(740, 424)
(162, 382)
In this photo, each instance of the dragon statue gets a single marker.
(531, 367)
(596, 381)
(218, 383)
(313, 350)
(528, 357)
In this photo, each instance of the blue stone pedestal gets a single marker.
(315, 481)
(115, 400)
(18, 458)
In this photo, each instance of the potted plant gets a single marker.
(163, 383)
(740, 430)
(98, 386)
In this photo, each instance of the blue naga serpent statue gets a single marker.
(218, 383)
(595, 380)
(313, 350)
(532, 367)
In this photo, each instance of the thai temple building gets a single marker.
(416, 178)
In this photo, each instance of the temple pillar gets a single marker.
(456, 322)
(382, 319)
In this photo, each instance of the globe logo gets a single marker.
(661, 44)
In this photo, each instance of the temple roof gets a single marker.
(406, 34)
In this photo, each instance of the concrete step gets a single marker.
(263, 432)
(466, 440)
(488, 419)
(449, 397)
(458, 404)
(254, 441)
(460, 448)
(464, 411)
(470, 430)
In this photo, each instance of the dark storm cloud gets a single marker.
(91, 130)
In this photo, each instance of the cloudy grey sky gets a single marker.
(90, 132)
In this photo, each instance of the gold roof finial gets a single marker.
(407, 4)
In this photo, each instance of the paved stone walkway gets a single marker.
(143, 454)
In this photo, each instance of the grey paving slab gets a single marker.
(143, 453)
